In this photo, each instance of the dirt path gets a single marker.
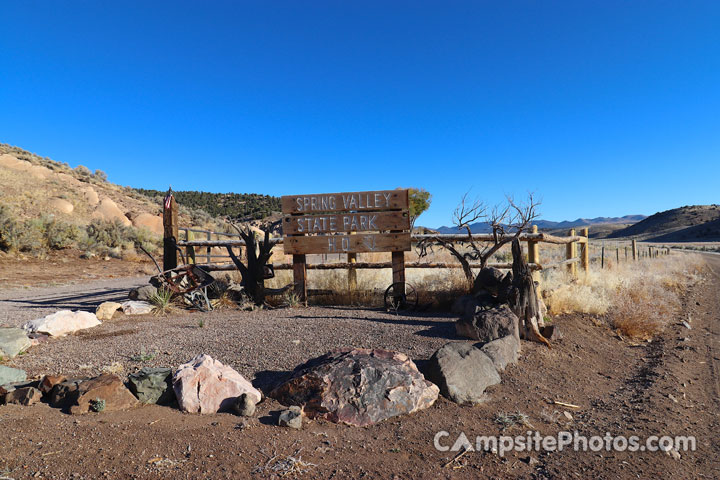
(665, 387)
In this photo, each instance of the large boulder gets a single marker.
(503, 351)
(11, 375)
(486, 325)
(204, 385)
(357, 387)
(109, 389)
(106, 310)
(61, 323)
(143, 293)
(154, 223)
(489, 279)
(463, 372)
(132, 307)
(152, 385)
(63, 393)
(23, 396)
(13, 341)
(108, 210)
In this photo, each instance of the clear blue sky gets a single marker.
(603, 108)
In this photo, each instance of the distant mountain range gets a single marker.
(692, 223)
(483, 227)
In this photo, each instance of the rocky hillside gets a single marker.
(696, 223)
(32, 186)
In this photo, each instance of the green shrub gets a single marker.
(8, 230)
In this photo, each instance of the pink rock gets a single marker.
(204, 385)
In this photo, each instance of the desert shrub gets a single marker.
(82, 172)
(100, 175)
(8, 229)
(113, 237)
(639, 298)
(60, 235)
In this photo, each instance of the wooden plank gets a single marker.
(300, 277)
(170, 232)
(347, 222)
(374, 242)
(346, 201)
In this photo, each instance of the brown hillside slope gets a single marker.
(32, 186)
(689, 223)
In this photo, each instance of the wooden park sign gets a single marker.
(351, 222)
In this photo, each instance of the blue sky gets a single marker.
(602, 108)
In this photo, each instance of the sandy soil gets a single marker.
(621, 388)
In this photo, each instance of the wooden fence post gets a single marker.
(352, 275)
(602, 257)
(617, 255)
(170, 231)
(300, 277)
(208, 257)
(570, 253)
(585, 250)
(634, 250)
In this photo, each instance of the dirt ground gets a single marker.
(668, 386)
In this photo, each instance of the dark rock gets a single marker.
(23, 396)
(486, 325)
(107, 388)
(551, 332)
(489, 279)
(245, 405)
(143, 293)
(463, 372)
(48, 382)
(152, 385)
(502, 351)
(357, 387)
(61, 396)
(292, 417)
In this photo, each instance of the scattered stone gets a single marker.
(11, 375)
(686, 325)
(530, 460)
(244, 405)
(672, 397)
(23, 396)
(463, 372)
(13, 341)
(137, 308)
(503, 351)
(205, 385)
(357, 386)
(108, 388)
(152, 385)
(106, 310)
(568, 415)
(486, 325)
(292, 417)
(61, 323)
(48, 382)
(61, 396)
(143, 293)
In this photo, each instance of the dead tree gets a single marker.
(523, 297)
(257, 254)
(506, 223)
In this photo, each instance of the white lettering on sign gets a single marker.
(330, 223)
(352, 201)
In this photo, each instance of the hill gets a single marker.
(608, 224)
(237, 206)
(685, 224)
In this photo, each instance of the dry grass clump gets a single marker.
(640, 298)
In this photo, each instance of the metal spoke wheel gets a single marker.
(400, 296)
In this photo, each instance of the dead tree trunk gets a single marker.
(253, 275)
(523, 298)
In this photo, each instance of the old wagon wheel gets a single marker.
(400, 296)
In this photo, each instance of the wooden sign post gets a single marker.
(170, 231)
(346, 223)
